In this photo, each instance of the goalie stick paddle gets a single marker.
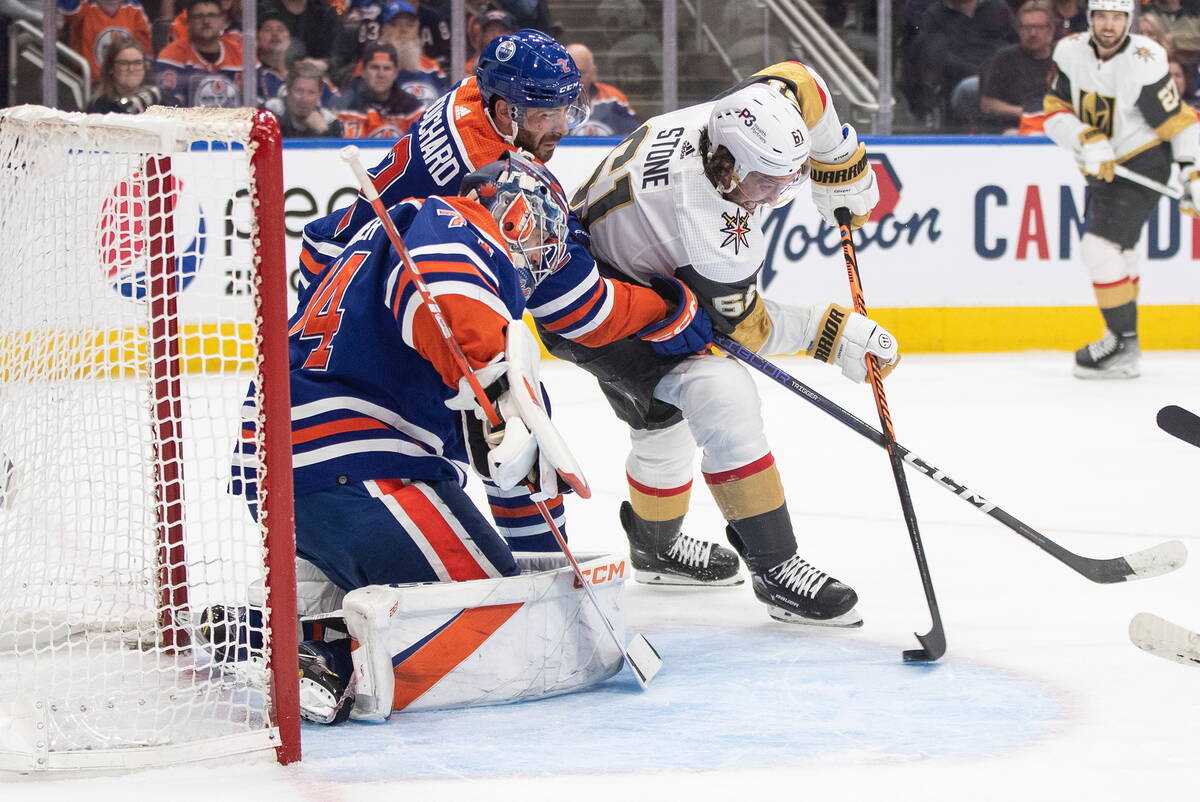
(642, 658)
(1180, 423)
(1161, 638)
(1154, 561)
(933, 642)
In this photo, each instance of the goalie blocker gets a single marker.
(435, 645)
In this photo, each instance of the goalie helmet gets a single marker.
(529, 69)
(765, 133)
(1125, 6)
(530, 208)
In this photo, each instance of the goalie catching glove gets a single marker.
(843, 177)
(686, 329)
(525, 447)
(844, 338)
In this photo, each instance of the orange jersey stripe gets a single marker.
(310, 433)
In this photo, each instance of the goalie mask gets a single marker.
(766, 134)
(530, 209)
(1124, 6)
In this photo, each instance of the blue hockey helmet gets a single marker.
(530, 208)
(529, 70)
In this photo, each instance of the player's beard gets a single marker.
(540, 146)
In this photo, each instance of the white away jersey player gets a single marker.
(1129, 96)
(650, 209)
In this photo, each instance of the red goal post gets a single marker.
(144, 273)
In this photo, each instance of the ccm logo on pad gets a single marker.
(602, 573)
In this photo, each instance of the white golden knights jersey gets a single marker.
(1129, 96)
(651, 210)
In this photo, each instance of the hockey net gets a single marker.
(142, 260)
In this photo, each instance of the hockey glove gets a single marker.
(525, 447)
(845, 179)
(686, 329)
(1189, 203)
(844, 338)
(1096, 155)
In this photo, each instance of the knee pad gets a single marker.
(662, 457)
(1105, 262)
(720, 403)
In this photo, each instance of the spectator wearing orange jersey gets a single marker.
(233, 21)
(206, 68)
(92, 25)
(610, 112)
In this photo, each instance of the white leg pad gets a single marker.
(487, 641)
(1103, 259)
(720, 402)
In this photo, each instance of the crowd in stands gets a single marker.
(326, 68)
(980, 66)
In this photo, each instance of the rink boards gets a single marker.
(974, 245)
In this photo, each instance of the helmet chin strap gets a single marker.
(509, 138)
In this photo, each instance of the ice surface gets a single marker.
(1040, 695)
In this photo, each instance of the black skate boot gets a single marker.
(232, 634)
(1112, 357)
(798, 593)
(325, 673)
(662, 555)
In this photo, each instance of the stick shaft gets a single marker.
(935, 641)
(1149, 183)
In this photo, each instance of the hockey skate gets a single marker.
(325, 673)
(1111, 357)
(660, 559)
(798, 593)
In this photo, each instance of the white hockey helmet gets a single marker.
(765, 133)
(1125, 6)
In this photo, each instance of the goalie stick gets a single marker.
(639, 654)
(1180, 423)
(933, 643)
(1156, 560)
(1161, 638)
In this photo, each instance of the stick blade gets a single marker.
(643, 659)
(1178, 422)
(934, 647)
(1156, 560)
(1163, 639)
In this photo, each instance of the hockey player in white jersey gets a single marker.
(1111, 101)
(684, 196)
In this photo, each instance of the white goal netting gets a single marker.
(131, 252)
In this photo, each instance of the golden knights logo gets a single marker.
(1099, 111)
(1143, 53)
(737, 226)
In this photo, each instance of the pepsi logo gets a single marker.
(124, 230)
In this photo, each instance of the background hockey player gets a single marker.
(683, 197)
(524, 95)
(1111, 101)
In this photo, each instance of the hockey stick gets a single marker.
(1156, 560)
(1172, 192)
(1180, 423)
(1163, 639)
(934, 641)
(641, 656)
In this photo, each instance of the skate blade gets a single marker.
(1129, 372)
(663, 579)
(847, 620)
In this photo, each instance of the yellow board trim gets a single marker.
(997, 329)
